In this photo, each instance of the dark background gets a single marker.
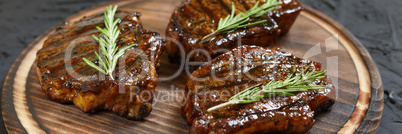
(376, 23)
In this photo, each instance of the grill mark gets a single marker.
(131, 61)
(227, 72)
(78, 27)
(83, 26)
(226, 7)
(78, 53)
(76, 64)
(237, 74)
(76, 57)
(245, 5)
(199, 27)
(46, 51)
(87, 70)
(60, 56)
(79, 32)
(208, 12)
(216, 9)
(254, 71)
(197, 10)
(81, 67)
(72, 32)
(197, 14)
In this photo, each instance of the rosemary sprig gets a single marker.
(107, 42)
(233, 22)
(300, 82)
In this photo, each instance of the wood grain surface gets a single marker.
(358, 105)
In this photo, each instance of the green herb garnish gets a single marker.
(107, 42)
(233, 22)
(300, 82)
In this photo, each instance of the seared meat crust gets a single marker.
(66, 78)
(226, 75)
(194, 19)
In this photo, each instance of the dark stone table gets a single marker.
(376, 23)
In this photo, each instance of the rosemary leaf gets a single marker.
(90, 63)
(107, 42)
(231, 21)
(297, 83)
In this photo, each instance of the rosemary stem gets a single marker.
(221, 105)
(233, 22)
(290, 85)
(111, 75)
(110, 34)
(207, 37)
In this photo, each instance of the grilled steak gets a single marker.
(194, 19)
(226, 75)
(66, 78)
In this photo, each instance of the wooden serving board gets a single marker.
(358, 105)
